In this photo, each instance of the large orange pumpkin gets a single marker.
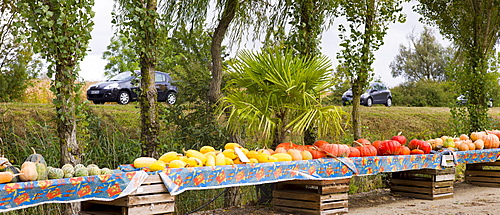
(490, 141)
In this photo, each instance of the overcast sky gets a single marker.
(92, 67)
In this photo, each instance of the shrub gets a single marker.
(424, 94)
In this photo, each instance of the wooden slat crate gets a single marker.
(483, 174)
(312, 196)
(424, 183)
(151, 197)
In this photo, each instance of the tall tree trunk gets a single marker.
(232, 196)
(149, 110)
(66, 123)
(364, 73)
(214, 93)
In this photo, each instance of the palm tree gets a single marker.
(276, 92)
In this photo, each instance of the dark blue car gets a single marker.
(124, 88)
(377, 93)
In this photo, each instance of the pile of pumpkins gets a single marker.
(233, 153)
(35, 168)
(488, 139)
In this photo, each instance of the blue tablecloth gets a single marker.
(182, 179)
(19, 195)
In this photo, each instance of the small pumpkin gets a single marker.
(404, 150)
(281, 150)
(463, 147)
(417, 152)
(354, 152)
(420, 144)
(28, 170)
(479, 144)
(36, 158)
(296, 155)
(306, 155)
(367, 150)
(464, 137)
(316, 153)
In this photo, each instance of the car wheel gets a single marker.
(98, 103)
(123, 98)
(388, 103)
(171, 98)
(369, 102)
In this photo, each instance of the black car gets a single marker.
(124, 87)
(377, 93)
(462, 100)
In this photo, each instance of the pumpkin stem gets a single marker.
(399, 134)
(358, 143)
(34, 152)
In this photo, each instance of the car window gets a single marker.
(383, 87)
(159, 77)
(124, 76)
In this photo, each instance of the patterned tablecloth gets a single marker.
(182, 179)
(15, 196)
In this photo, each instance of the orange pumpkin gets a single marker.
(479, 144)
(404, 150)
(28, 170)
(280, 150)
(354, 152)
(463, 147)
(319, 143)
(477, 135)
(296, 156)
(315, 152)
(464, 137)
(490, 141)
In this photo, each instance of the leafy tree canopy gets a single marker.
(423, 59)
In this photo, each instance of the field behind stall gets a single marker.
(109, 135)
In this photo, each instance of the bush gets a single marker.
(424, 94)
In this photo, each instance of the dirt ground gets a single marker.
(467, 200)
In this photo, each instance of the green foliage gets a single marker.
(423, 59)
(368, 24)
(275, 92)
(474, 27)
(120, 56)
(307, 19)
(17, 63)
(424, 93)
(191, 122)
(61, 36)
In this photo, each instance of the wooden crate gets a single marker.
(151, 197)
(312, 196)
(483, 174)
(424, 183)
